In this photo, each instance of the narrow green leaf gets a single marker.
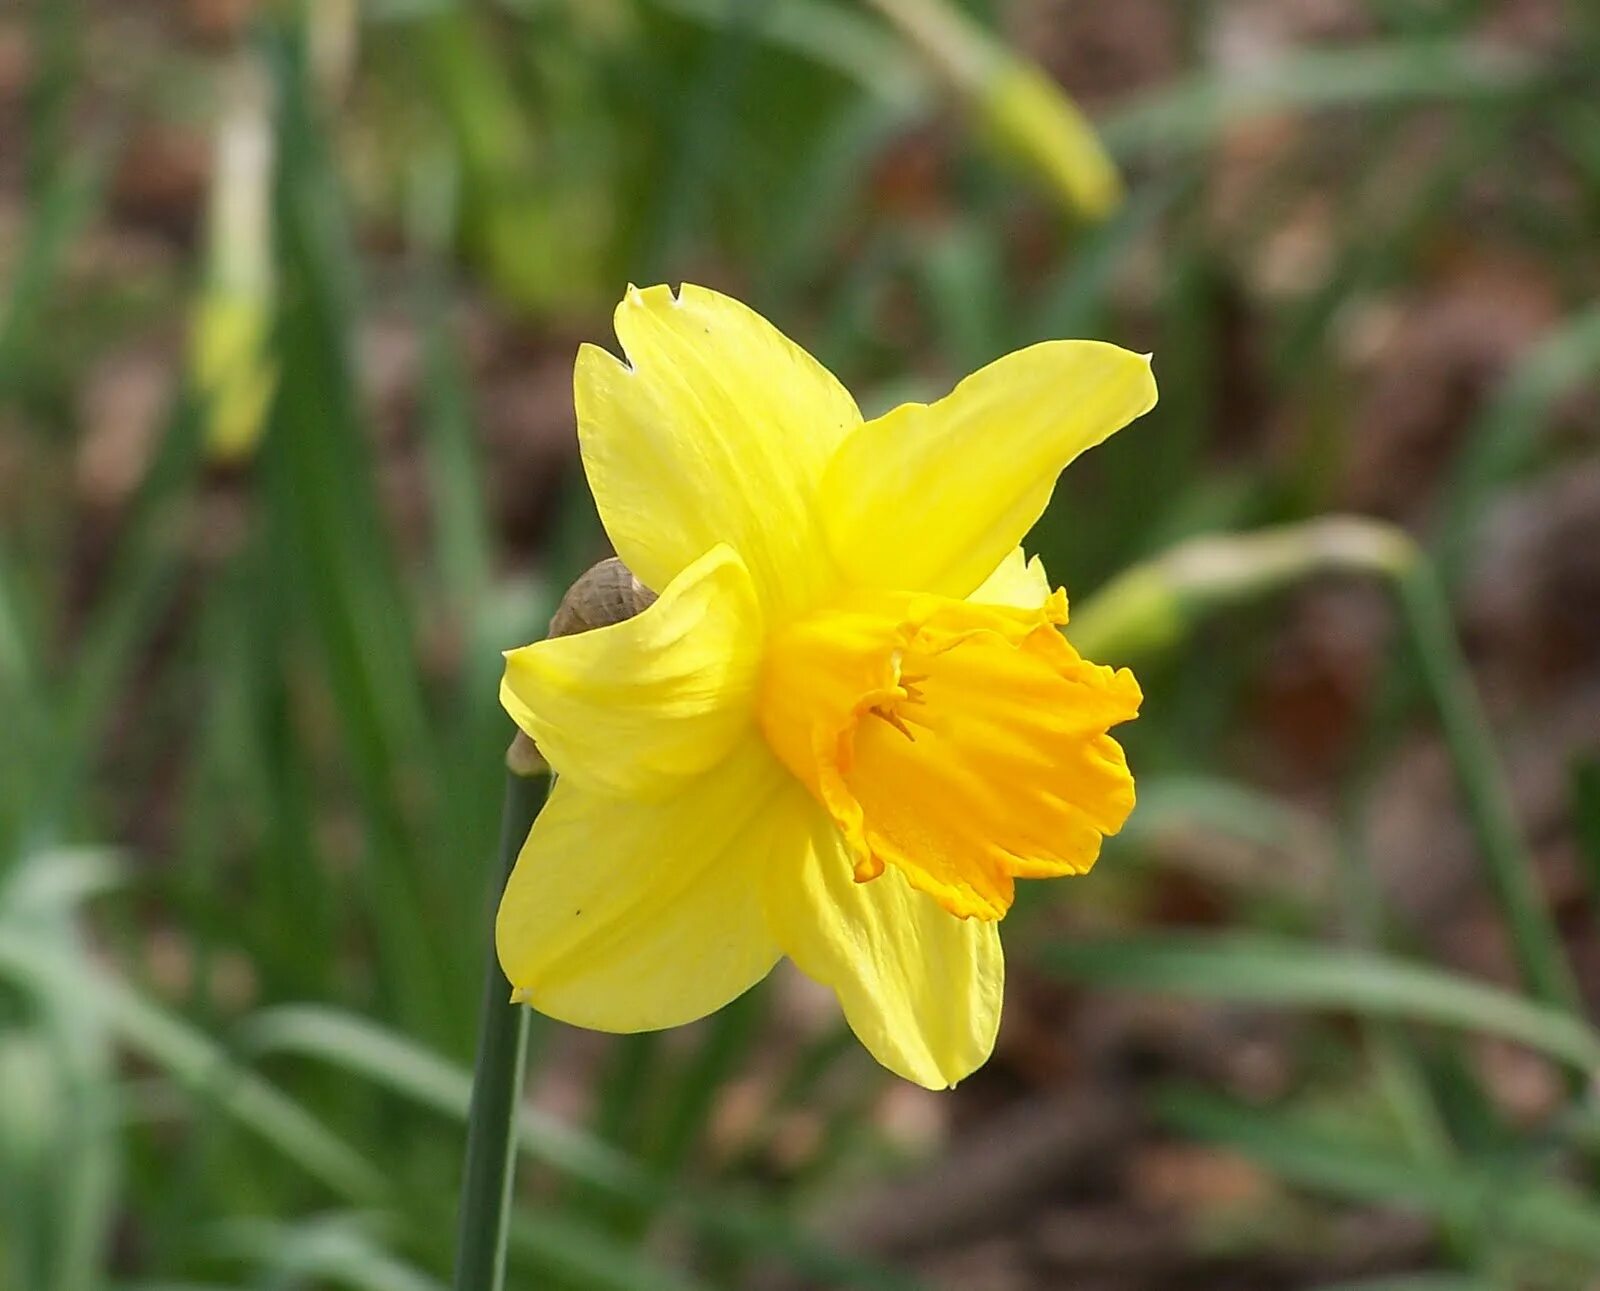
(1291, 974)
(1416, 1282)
(1585, 781)
(596, 1260)
(58, 215)
(395, 1063)
(1519, 1208)
(1194, 112)
(1485, 793)
(331, 1250)
(1506, 435)
(195, 1062)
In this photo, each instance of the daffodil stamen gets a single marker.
(1007, 713)
(892, 716)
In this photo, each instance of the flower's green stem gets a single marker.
(497, 1078)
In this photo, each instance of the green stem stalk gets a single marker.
(497, 1076)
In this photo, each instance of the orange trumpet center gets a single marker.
(966, 744)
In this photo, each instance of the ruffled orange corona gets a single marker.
(849, 723)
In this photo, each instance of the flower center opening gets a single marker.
(964, 744)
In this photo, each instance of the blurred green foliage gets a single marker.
(242, 1061)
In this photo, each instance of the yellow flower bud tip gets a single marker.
(1026, 113)
(1045, 130)
(232, 371)
(848, 724)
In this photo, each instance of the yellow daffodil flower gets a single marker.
(850, 721)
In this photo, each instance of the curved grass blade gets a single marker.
(1194, 112)
(332, 1251)
(397, 1064)
(1519, 1209)
(596, 1261)
(1279, 971)
(386, 1058)
(195, 1062)
(1506, 434)
(1416, 1282)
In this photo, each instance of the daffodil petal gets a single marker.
(717, 429)
(930, 497)
(920, 988)
(1016, 582)
(624, 915)
(637, 707)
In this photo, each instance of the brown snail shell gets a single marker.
(607, 593)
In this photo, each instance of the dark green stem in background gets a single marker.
(497, 1076)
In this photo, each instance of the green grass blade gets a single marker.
(66, 206)
(335, 558)
(1505, 436)
(697, 146)
(375, 1053)
(1072, 301)
(1416, 1282)
(1520, 1209)
(396, 1063)
(1292, 974)
(730, 1035)
(1177, 801)
(833, 36)
(1586, 820)
(592, 1260)
(141, 583)
(196, 1062)
(1485, 796)
(1192, 114)
(25, 699)
(332, 1251)
(173, 1286)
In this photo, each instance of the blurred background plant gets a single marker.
(288, 305)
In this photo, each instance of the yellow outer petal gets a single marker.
(921, 988)
(717, 429)
(930, 497)
(637, 707)
(1017, 582)
(630, 916)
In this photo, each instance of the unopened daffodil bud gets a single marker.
(1022, 109)
(230, 359)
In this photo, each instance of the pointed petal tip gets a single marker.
(589, 355)
(652, 294)
(1149, 375)
(722, 433)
